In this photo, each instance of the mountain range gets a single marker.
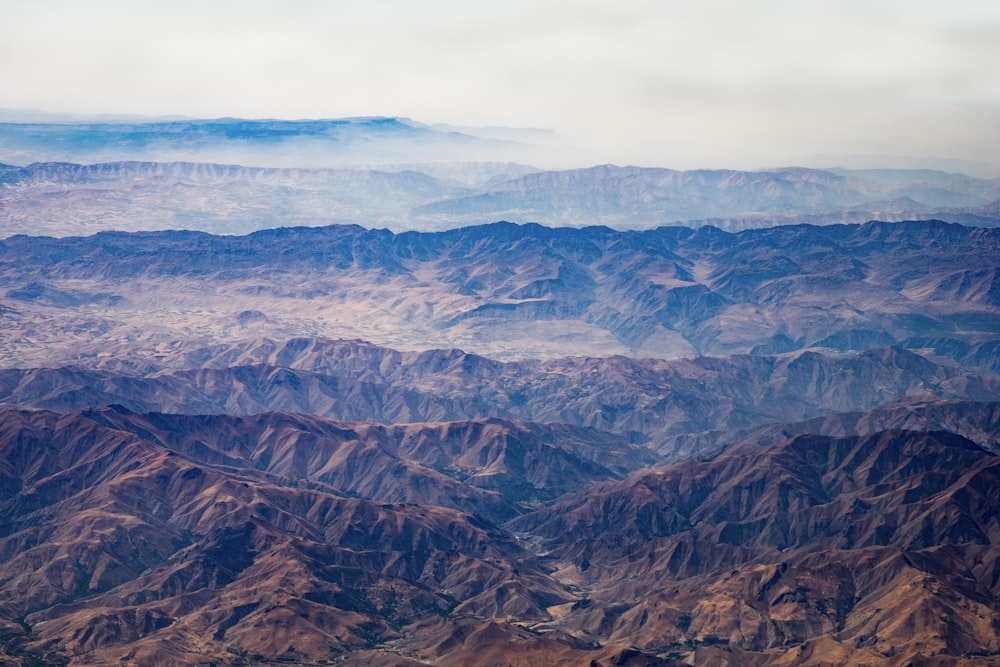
(63, 199)
(271, 392)
(258, 142)
(235, 176)
(512, 291)
(672, 408)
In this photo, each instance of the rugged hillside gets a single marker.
(511, 291)
(879, 549)
(674, 408)
(117, 547)
(166, 539)
(488, 467)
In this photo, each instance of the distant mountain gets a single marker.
(977, 421)
(643, 198)
(206, 197)
(446, 177)
(512, 291)
(451, 182)
(258, 142)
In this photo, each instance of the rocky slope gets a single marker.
(158, 539)
(488, 467)
(878, 550)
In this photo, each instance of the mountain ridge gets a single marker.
(425, 193)
(676, 408)
(516, 291)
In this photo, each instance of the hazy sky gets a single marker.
(717, 83)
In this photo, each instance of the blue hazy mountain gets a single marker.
(517, 291)
(233, 175)
(264, 142)
(225, 198)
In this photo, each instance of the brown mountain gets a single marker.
(489, 467)
(170, 539)
(879, 549)
(118, 548)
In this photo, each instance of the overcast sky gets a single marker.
(689, 83)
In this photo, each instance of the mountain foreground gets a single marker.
(133, 538)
